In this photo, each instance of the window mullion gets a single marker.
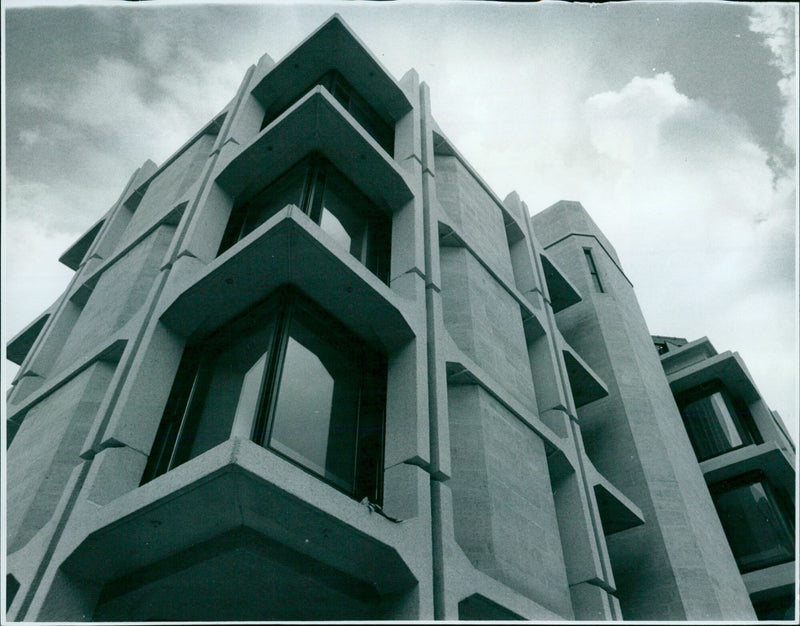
(184, 418)
(357, 445)
(272, 373)
(316, 193)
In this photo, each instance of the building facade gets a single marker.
(748, 462)
(313, 368)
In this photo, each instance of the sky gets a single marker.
(674, 124)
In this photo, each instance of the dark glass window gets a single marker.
(714, 421)
(376, 125)
(293, 380)
(328, 198)
(758, 531)
(593, 270)
(774, 609)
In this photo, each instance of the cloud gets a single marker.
(777, 24)
(691, 175)
(626, 125)
(701, 223)
(29, 137)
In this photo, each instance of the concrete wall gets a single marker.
(474, 212)
(46, 449)
(485, 321)
(505, 519)
(678, 564)
(168, 188)
(120, 291)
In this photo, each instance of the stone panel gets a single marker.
(485, 322)
(168, 188)
(476, 214)
(504, 514)
(46, 449)
(120, 292)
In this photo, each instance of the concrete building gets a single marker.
(748, 461)
(312, 367)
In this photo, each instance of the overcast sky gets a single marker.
(674, 124)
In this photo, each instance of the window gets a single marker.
(661, 347)
(328, 198)
(293, 380)
(379, 128)
(758, 531)
(774, 609)
(593, 270)
(714, 421)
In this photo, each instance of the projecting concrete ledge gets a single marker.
(562, 292)
(334, 46)
(19, 345)
(289, 249)
(770, 582)
(586, 385)
(617, 511)
(240, 486)
(766, 457)
(73, 256)
(727, 367)
(317, 122)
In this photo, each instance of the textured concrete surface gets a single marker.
(504, 514)
(46, 449)
(635, 437)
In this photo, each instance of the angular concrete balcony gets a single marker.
(239, 533)
(317, 122)
(291, 249)
(333, 46)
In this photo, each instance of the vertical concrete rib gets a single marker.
(600, 554)
(437, 381)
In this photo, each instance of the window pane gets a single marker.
(331, 225)
(713, 425)
(227, 386)
(316, 415)
(727, 426)
(340, 216)
(288, 189)
(754, 526)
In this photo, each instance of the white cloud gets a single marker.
(29, 136)
(705, 231)
(777, 24)
(626, 125)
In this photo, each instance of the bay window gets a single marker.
(754, 520)
(715, 422)
(293, 380)
(331, 201)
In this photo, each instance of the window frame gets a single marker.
(315, 176)
(279, 310)
(740, 416)
(593, 272)
(783, 526)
